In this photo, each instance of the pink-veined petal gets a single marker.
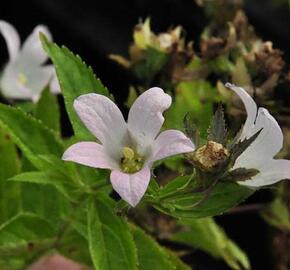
(90, 154)
(131, 187)
(12, 39)
(271, 171)
(169, 143)
(250, 107)
(267, 144)
(32, 50)
(145, 116)
(104, 119)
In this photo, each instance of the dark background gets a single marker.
(96, 29)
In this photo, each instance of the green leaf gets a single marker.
(10, 165)
(47, 110)
(110, 241)
(150, 254)
(44, 201)
(223, 197)
(217, 131)
(25, 232)
(54, 178)
(174, 186)
(206, 235)
(30, 135)
(75, 79)
(238, 148)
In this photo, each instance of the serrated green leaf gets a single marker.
(238, 148)
(150, 254)
(29, 134)
(75, 79)
(110, 241)
(217, 131)
(47, 110)
(223, 197)
(206, 235)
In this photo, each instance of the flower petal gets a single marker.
(104, 119)
(32, 50)
(145, 117)
(169, 143)
(12, 39)
(131, 187)
(267, 144)
(90, 154)
(24, 81)
(271, 172)
(250, 106)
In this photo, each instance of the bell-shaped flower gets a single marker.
(25, 75)
(260, 154)
(128, 149)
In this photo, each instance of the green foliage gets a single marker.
(206, 235)
(25, 232)
(150, 254)
(29, 134)
(10, 165)
(189, 204)
(75, 79)
(47, 110)
(110, 241)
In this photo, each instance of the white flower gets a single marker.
(260, 154)
(25, 76)
(128, 149)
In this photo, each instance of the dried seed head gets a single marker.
(210, 156)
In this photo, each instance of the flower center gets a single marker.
(209, 156)
(21, 78)
(131, 161)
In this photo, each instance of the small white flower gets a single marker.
(25, 76)
(128, 149)
(260, 154)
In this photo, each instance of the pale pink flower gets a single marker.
(128, 149)
(260, 154)
(25, 75)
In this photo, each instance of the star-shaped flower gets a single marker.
(25, 76)
(128, 149)
(260, 154)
